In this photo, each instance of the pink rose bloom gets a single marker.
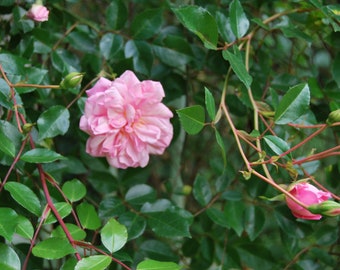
(38, 13)
(126, 121)
(307, 194)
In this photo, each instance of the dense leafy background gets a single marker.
(191, 207)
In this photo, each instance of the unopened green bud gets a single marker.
(327, 208)
(333, 117)
(26, 128)
(71, 80)
(186, 190)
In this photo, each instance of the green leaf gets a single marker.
(24, 228)
(88, 216)
(63, 208)
(94, 262)
(141, 54)
(74, 190)
(199, 21)
(8, 223)
(55, 121)
(134, 223)
(170, 223)
(113, 235)
(220, 143)
(234, 211)
(238, 19)
(192, 118)
(53, 248)
(41, 155)
(336, 69)
(156, 265)
(202, 191)
(116, 14)
(224, 27)
(293, 104)
(147, 24)
(110, 45)
(158, 250)
(218, 217)
(110, 207)
(139, 194)
(254, 221)
(9, 260)
(238, 67)
(76, 232)
(6, 145)
(276, 144)
(24, 196)
(210, 103)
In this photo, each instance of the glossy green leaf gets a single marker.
(336, 69)
(40, 155)
(113, 235)
(234, 210)
(24, 196)
(217, 216)
(238, 67)
(8, 222)
(221, 144)
(224, 27)
(210, 103)
(202, 191)
(9, 131)
(293, 104)
(141, 55)
(55, 121)
(153, 265)
(74, 190)
(110, 45)
(238, 19)
(6, 145)
(139, 194)
(69, 264)
(170, 223)
(63, 208)
(88, 216)
(111, 206)
(116, 14)
(147, 24)
(192, 118)
(276, 144)
(24, 227)
(134, 223)
(76, 232)
(9, 259)
(158, 250)
(94, 262)
(254, 221)
(199, 21)
(53, 248)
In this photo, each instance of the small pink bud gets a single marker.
(308, 195)
(38, 13)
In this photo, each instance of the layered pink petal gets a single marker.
(126, 120)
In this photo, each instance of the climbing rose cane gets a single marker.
(307, 194)
(38, 13)
(126, 121)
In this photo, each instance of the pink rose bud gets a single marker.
(326, 208)
(307, 194)
(126, 121)
(38, 13)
